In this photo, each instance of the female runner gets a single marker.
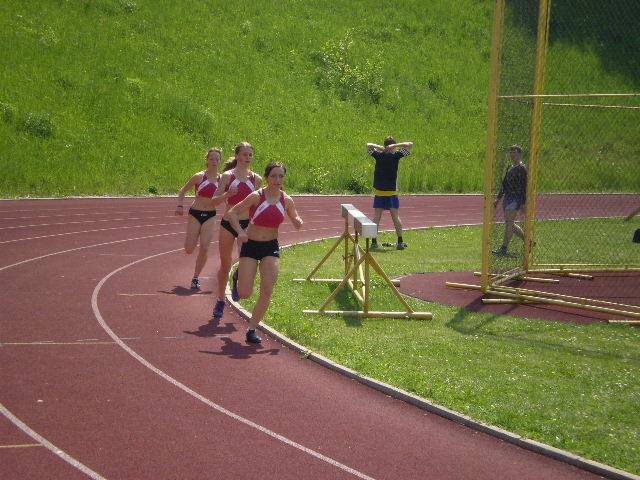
(260, 248)
(200, 224)
(236, 175)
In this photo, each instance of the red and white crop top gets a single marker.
(207, 188)
(244, 188)
(267, 215)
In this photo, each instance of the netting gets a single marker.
(565, 77)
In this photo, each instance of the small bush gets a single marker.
(128, 6)
(246, 27)
(64, 82)
(317, 180)
(357, 185)
(6, 111)
(134, 85)
(39, 125)
(49, 38)
(348, 80)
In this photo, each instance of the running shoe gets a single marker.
(234, 286)
(252, 337)
(374, 243)
(195, 283)
(401, 246)
(218, 310)
(500, 251)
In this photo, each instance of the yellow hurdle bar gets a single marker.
(594, 308)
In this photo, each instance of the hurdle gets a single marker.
(358, 262)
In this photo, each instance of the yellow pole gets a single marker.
(492, 129)
(544, 14)
(346, 236)
(365, 305)
(346, 245)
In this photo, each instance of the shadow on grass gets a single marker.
(345, 301)
(467, 322)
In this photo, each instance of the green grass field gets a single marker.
(123, 96)
(571, 386)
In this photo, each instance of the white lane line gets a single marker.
(50, 446)
(126, 219)
(88, 231)
(67, 215)
(183, 387)
(89, 246)
(77, 342)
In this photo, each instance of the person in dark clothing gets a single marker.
(514, 191)
(385, 181)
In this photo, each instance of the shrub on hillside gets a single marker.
(6, 111)
(39, 125)
(350, 81)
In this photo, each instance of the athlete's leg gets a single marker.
(247, 269)
(193, 232)
(225, 246)
(269, 268)
(206, 235)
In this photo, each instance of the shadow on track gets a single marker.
(239, 351)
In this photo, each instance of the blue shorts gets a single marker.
(386, 202)
(511, 203)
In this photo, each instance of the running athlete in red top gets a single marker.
(200, 223)
(260, 248)
(238, 176)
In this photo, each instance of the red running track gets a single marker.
(112, 368)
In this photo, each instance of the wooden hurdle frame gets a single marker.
(358, 262)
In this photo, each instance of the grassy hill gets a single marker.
(124, 96)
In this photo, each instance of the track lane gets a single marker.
(199, 354)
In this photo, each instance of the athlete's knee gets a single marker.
(266, 289)
(225, 266)
(245, 292)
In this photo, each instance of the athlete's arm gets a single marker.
(292, 213)
(258, 181)
(232, 215)
(193, 181)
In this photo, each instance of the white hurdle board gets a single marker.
(360, 222)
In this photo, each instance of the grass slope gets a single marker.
(123, 96)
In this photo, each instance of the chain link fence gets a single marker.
(565, 83)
